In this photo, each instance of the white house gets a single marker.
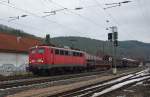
(12, 62)
(14, 52)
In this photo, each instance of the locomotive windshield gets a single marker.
(39, 51)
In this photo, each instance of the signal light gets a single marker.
(115, 35)
(110, 36)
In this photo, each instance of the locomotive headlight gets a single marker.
(40, 60)
(32, 61)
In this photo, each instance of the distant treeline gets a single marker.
(17, 32)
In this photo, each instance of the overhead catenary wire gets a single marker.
(129, 33)
(35, 15)
(107, 13)
(81, 16)
(114, 19)
(23, 25)
(53, 12)
(64, 8)
(96, 5)
(39, 16)
(97, 13)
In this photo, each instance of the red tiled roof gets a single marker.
(12, 43)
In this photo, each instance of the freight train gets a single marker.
(48, 59)
(126, 62)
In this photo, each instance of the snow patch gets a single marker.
(117, 86)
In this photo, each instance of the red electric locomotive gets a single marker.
(46, 59)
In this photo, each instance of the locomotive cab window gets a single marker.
(69, 53)
(41, 51)
(66, 53)
(75, 53)
(78, 54)
(61, 52)
(56, 51)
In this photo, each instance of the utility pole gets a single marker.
(113, 38)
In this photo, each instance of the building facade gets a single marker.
(14, 52)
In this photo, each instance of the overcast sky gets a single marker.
(132, 19)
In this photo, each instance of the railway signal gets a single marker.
(113, 38)
(115, 35)
(110, 36)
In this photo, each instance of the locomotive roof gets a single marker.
(60, 48)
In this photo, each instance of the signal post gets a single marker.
(113, 38)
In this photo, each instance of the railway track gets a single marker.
(17, 77)
(38, 80)
(100, 89)
(14, 86)
(4, 85)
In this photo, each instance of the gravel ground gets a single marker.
(56, 89)
(141, 89)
